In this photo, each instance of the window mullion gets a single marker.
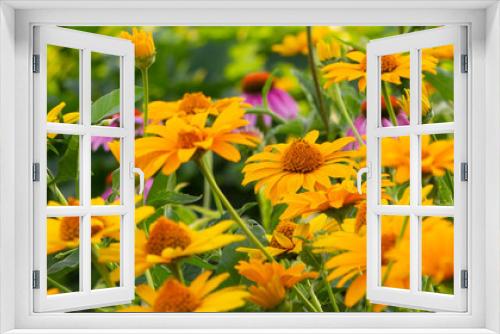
(415, 171)
(85, 172)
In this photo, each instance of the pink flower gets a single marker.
(360, 121)
(280, 102)
(103, 142)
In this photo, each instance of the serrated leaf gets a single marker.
(109, 104)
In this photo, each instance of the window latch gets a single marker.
(134, 170)
(465, 64)
(366, 170)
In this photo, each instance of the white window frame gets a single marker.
(16, 21)
(86, 44)
(414, 43)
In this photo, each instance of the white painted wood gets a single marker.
(429, 323)
(414, 297)
(86, 43)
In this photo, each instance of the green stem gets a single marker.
(145, 85)
(388, 104)
(177, 271)
(314, 298)
(234, 214)
(55, 189)
(345, 113)
(333, 301)
(58, 285)
(304, 299)
(207, 192)
(149, 279)
(265, 211)
(101, 268)
(264, 111)
(317, 87)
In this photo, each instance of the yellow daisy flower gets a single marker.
(169, 241)
(54, 116)
(192, 104)
(328, 50)
(393, 68)
(272, 280)
(286, 168)
(145, 50)
(437, 156)
(200, 296)
(178, 140)
(64, 232)
(297, 44)
(289, 237)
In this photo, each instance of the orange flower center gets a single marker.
(166, 234)
(186, 139)
(175, 297)
(389, 63)
(287, 228)
(191, 103)
(70, 228)
(301, 157)
(254, 82)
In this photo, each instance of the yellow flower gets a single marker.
(393, 68)
(54, 116)
(328, 50)
(404, 101)
(335, 196)
(178, 140)
(286, 168)
(145, 51)
(190, 105)
(272, 280)
(169, 241)
(350, 263)
(437, 156)
(64, 232)
(289, 237)
(200, 296)
(297, 44)
(440, 52)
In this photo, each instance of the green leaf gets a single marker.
(67, 166)
(109, 104)
(246, 207)
(292, 128)
(171, 197)
(69, 263)
(159, 184)
(445, 194)
(196, 261)
(230, 257)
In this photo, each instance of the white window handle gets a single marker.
(364, 170)
(134, 170)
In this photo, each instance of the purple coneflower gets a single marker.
(279, 100)
(360, 121)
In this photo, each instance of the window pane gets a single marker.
(395, 170)
(105, 251)
(105, 86)
(63, 257)
(63, 152)
(437, 169)
(63, 84)
(437, 84)
(437, 254)
(395, 79)
(105, 170)
(395, 251)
